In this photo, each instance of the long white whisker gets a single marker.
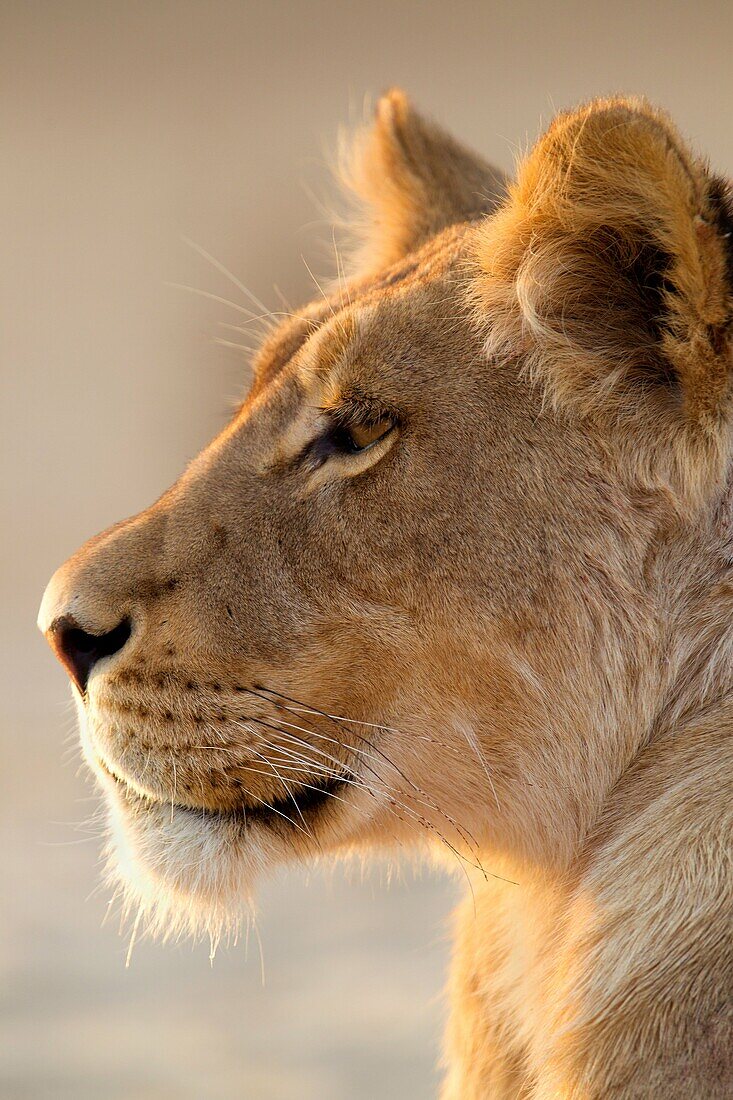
(386, 791)
(275, 810)
(212, 297)
(473, 744)
(423, 798)
(133, 936)
(284, 782)
(227, 273)
(341, 276)
(262, 317)
(326, 299)
(232, 344)
(286, 304)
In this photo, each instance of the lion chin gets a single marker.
(457, 579)
(182, 870)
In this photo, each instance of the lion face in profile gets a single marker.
(411, 592)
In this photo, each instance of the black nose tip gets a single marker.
(79, 651)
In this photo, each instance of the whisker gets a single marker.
(211, 297)
(340, 275)
(425, 800)
(393, 801)
(464, 833)
(227, 273)
(260, 317)
(290, 794)
(358, 781)
(232, 344)
(275, 810)
(288, 307)
(326, 299)
(473, 744)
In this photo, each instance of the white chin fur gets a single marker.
(190, 873)
(184, 872)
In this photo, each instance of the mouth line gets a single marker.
(305, 801)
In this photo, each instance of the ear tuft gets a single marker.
(611, 264)
(412, 180)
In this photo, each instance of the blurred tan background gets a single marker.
(127, 126)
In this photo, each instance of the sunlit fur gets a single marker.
(502, 633)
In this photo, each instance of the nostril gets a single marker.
(79, 651)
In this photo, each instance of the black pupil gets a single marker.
(342, 440)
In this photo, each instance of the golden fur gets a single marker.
(501, 632)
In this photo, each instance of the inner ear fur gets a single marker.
(411, 180)
(609, 267)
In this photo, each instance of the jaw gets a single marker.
(194, 872)
(189, 870)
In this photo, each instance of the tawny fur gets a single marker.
(503, 628)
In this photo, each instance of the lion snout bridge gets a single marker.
(94, 604)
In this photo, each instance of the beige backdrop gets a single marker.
(127, 126)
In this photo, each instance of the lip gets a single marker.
(306, 802)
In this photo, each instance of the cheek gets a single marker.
(353, 663)
(362, 549)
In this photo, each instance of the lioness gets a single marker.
(458, 575)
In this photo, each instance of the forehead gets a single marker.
(361, 306)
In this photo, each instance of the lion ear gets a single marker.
(412, 179)
(610, 267)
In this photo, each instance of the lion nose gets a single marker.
(79, 651)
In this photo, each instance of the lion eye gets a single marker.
(362, 436)
(352, 438)
(341, 439)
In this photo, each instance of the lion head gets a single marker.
(413, 592)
